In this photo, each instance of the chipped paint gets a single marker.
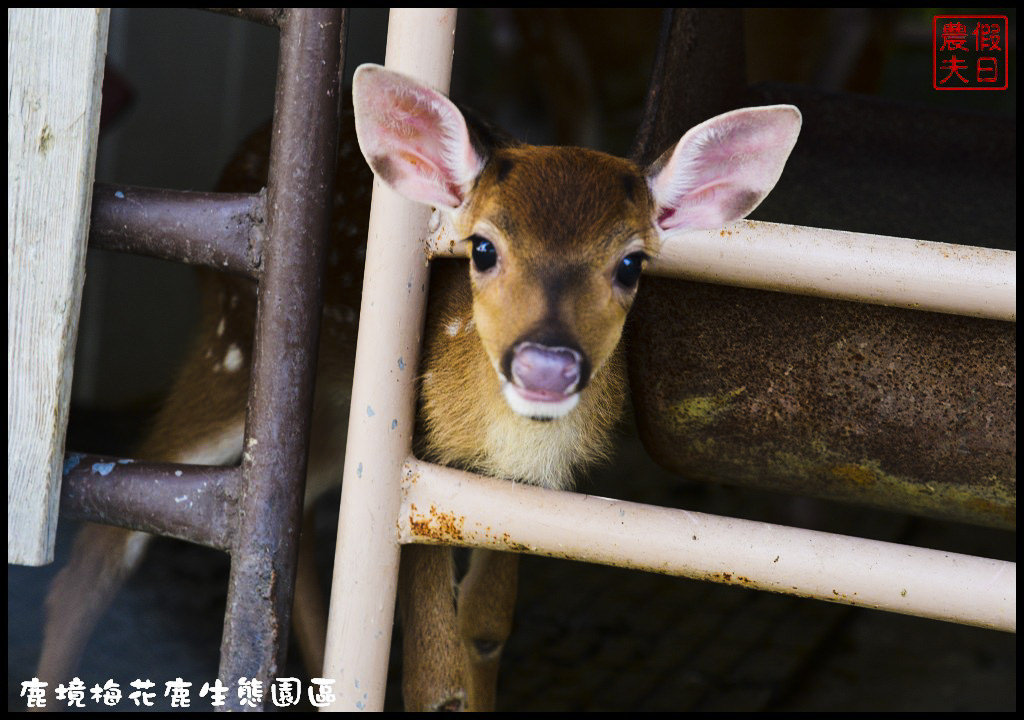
(103, 468)
(71, 462)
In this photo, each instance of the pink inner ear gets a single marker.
(722, 169)
(414, 138)
(709, 207)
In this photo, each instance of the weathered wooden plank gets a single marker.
(54, 74)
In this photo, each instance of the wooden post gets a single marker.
(54, 75)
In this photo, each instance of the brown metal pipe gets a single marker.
(218, 230)
(699, 71)
(272, 17)
(187, 502)
(302, 161)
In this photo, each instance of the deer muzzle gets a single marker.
(544, 381)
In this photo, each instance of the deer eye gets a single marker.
(485, 255)
(628, 272)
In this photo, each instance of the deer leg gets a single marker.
(451, 656)
(432, 673)
(487, 599)
(102, 557)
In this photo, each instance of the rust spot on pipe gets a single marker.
(440, 526)
(513, 546)
(729, 578)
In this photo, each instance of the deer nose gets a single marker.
(548, 372)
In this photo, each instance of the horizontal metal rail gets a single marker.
(223, 231)
(188, 502)
(874, 269)
(445, 506)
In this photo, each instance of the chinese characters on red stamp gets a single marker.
(970, 52)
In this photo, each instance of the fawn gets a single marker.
(523, 373)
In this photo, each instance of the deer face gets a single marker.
(557, 237)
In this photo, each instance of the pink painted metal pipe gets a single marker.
(441, 505)
(875, 269)
(420, 44)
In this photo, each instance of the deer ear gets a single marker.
(723, 168)
(413, 137)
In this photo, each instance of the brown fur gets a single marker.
(558, 249)
(560, 246)
(563, 219)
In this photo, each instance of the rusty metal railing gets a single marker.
(385, 484)
(278, 238)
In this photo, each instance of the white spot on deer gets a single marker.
(453, 327)
(220, 326)
(233, 359)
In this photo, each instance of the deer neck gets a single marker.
(467, 423)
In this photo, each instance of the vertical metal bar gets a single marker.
(699, 71)
(302, 162)
(420, 44)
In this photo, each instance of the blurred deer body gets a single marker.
(523, 372)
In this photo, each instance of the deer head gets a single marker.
(557, 236)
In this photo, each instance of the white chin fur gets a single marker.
(535, 408)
